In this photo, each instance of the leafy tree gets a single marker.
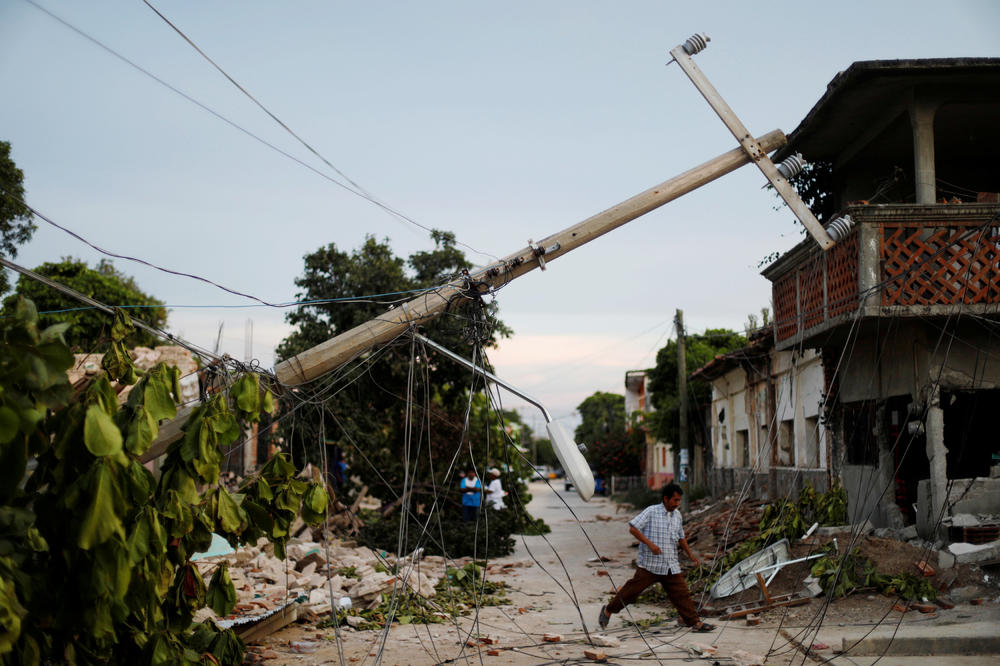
(89, 329)
(700, 348)
(15, 218)
(603, 413)
(544, 453)
(618, 453)
(410, 454)
(94, 551)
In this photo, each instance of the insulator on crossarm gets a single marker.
(792, 166)
(839, 228)
(696, 43)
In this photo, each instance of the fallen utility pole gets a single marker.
(348, 345)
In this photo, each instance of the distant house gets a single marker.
(658, 461)
(905, 309)
(767, 434)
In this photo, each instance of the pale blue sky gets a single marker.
(498, 121)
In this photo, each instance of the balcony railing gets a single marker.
(899, 260)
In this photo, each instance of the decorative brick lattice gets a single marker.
(812, 305)
(946, 265)
(785, 313)
(842, 277)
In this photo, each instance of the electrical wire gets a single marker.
(354, 187)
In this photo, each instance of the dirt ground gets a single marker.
(561, 584)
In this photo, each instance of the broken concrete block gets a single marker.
(603, 640)
(964, 520)
(744, 658)
(968, 553)
(812, 586)
(907, 533)
(945, 559)
(354, 621)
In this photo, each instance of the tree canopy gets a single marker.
(603, 413)
(406, 420)
(89, 328)
(15, 218)
(700, 348)
(95, 552)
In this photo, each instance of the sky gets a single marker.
(500, 122)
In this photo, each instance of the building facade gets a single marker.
(904, 310)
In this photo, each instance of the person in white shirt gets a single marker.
(660, 531)
(494, 491)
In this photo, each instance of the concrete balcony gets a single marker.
(900, 260)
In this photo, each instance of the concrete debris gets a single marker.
(262, 581)
(701, 650)
(812, 586)
(964, 520)
(744, 658)
(603, 640)
(969, 553)
(907, 533)
(864, 528)
(595, 655)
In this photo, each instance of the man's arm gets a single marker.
(683, 543)
(634, 531)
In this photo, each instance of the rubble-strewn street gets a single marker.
(536, 620)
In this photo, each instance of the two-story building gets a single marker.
(905, 308)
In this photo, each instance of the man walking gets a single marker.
(659, 529)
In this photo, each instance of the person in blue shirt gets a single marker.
(472, 496)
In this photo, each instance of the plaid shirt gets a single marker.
(663, 529)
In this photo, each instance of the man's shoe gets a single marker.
(602, 618)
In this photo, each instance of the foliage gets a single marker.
(618, 453)
(88, 328)
(815, 187)
(840, 575)
(94, 551)
(448, 535)
(603, 416)
(784, 519)
(700, 348)
(16, 227)
(365, 413)
(544, 453)
(458, 593)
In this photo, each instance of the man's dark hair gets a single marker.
(672, 489)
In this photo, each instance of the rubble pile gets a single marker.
(353, 577)
(722, 526)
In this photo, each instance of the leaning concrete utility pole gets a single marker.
(348, 345)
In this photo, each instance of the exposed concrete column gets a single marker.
(937, 455)
(922, 121)
(890, 514)
(869, 267)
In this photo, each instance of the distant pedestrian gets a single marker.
(472, 496)
(495, 490)
(659, 529)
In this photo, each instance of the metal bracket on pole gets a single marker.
(681, 55)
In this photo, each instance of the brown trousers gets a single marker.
(673, 584)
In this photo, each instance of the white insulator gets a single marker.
(792, 166)
(839, 227)
(696, 43)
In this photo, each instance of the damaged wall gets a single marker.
(766, 424)
(942, 377)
